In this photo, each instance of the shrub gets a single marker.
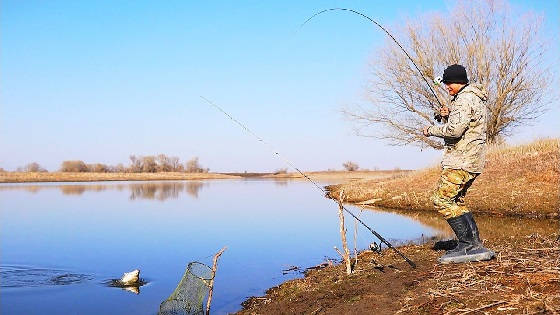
(281, 171)
(73, 166)
(32, 167)
(350, 166)
(119, 168)
(149, 164)
(193, 166)
(98, 168)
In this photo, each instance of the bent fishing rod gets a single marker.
(437, 81)
(323, 191)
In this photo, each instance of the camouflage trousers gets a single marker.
(449, 197)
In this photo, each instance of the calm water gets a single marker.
(60, 242)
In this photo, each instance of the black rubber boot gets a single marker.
(474, 228)
(469, 248)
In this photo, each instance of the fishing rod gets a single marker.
(323, 191)
(437, 81)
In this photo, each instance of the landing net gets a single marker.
(188, 297)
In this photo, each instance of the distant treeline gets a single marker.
(138, 164)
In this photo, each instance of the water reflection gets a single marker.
(164, 191)
(491, 227)
(281, 181)
(145, 190)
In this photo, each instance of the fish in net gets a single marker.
(188, 296)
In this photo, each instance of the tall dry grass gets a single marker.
(517, 180)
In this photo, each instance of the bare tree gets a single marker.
(73, 166)
(164, 164)
(98, 168)
(500, 49)
(168, 163)
(152, 164)
(193, 166)
(350, 166)
(32, 167)
(149, 164)
(135, 164)
(119, 168)
(175, 164)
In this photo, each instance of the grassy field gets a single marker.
(518, 180)
(330, 176)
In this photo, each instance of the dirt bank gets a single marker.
(519, 180)
(523, 279)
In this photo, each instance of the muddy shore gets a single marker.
(516, 202)
(523, 279)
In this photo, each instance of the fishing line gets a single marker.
(323, 191)
(386, 32)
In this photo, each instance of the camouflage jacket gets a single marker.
(465, 131)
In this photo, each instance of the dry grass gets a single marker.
(22, 177)
(518, 180)
(331, 176)
(347, 176)
(524, 279)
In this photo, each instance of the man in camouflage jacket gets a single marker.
(464, 134)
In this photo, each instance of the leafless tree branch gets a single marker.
(501, 49)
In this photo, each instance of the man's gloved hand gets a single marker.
(444, 111)
(437, 116)
(442, 114)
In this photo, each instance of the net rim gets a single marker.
(189, 270)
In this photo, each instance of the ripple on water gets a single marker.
(14, 276)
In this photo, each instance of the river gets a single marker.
(60, 243)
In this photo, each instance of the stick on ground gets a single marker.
(214, 269)
(343, 234)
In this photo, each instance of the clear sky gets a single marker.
(100, 80)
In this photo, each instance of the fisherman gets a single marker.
(464, 134)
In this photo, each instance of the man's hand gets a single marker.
(425, 132)
(444, 111)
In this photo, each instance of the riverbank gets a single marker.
(516, 201)
(521, 180)
(30, 177)
(524, 278)
(322, 176)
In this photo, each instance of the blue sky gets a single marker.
(100, 80)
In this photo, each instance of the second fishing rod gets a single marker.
(323, 191)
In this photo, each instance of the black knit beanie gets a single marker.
(455, 74)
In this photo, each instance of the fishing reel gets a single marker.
(438, 81)
(374, 247)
